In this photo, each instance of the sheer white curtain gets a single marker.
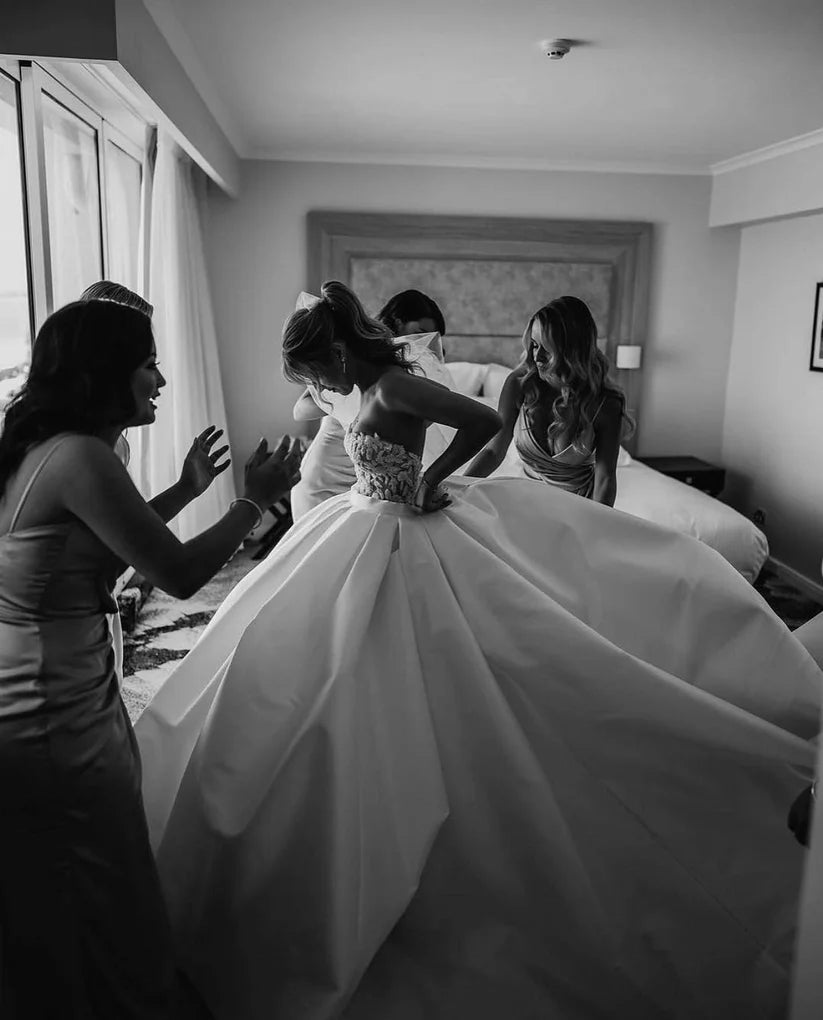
(186, 343)
(124, 175)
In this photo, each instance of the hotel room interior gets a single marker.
(662, 159)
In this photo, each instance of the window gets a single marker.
(71, 178)
(15, 318)
(73, 196)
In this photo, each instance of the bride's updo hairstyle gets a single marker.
(337, 317)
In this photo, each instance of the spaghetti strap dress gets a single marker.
(569, 469)
(84, 929)
(526, 757)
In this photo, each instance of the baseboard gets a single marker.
(811, 588)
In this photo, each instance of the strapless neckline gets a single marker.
(397, 447)
(385, 470)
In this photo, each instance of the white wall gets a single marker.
(781, 184)
(147, 66)
(257, 253)
(774, 404)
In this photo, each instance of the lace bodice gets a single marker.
(384, 470)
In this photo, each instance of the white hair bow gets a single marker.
(306, 300)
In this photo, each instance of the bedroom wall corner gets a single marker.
(774, 404)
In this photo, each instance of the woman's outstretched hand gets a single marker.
(430, 498)
(203, 463)
(270, 475)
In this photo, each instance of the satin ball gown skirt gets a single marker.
(526, 757)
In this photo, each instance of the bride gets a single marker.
(477, 748)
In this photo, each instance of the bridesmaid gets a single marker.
(410, 312)
(201, 466)
(565, 415)
(85, 933)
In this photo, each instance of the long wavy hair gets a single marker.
(337, 317)
(411, 306)
(580, 366)
(82, 362)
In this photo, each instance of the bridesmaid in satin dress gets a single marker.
(565, 415)
(84, 927)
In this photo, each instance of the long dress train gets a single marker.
(526, 757)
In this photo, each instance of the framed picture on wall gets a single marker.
(816, 364)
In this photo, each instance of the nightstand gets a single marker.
(707, 477)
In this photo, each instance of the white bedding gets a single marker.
(647, 493)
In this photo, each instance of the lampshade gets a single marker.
(629, 355)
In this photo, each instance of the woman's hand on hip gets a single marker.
(430, 498)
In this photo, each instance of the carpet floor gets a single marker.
(167, 628)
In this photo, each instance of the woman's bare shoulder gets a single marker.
(77, 448)
(517, 376)
(610, 411)
(612, 402)
(397, 382)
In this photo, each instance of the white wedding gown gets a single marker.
(528, 758)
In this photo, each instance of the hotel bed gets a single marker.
(488, 275)
(642, 491)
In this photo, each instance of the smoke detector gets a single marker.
(555, 49)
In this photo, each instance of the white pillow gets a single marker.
(624, 458)
(496, 375)
(468, 377)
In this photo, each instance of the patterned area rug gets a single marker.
(167, 628)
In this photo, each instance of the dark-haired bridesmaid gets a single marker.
(85, 933)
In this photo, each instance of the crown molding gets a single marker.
(478, 162)
(785, 148)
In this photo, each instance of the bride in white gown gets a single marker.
(523, 756)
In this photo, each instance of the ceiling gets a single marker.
(656, 85)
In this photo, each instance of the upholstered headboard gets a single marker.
(490, 275)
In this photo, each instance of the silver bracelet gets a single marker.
(257, 510)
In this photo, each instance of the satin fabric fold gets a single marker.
(528, 756)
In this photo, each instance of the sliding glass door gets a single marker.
(15, 306)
